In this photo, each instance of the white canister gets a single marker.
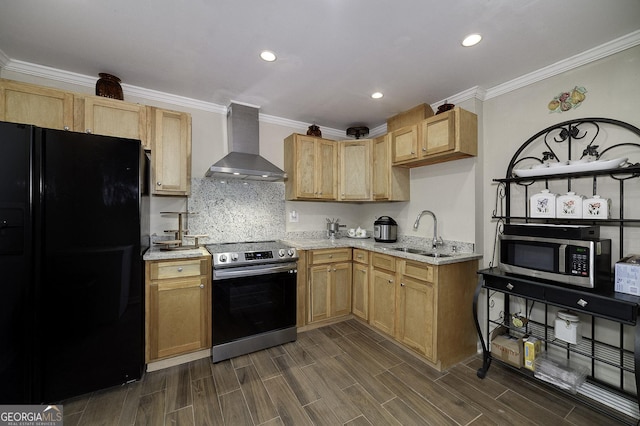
(568, 327)
(543, 204)
(596, 208)
(569, 205)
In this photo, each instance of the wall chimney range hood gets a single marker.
(244, 160)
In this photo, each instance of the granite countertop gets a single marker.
(385, 248)
(156, 253)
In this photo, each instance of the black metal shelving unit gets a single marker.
(566, 141)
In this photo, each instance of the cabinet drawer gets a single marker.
(517, 287)
(592, 304)
(418, 270)
(177, 269)
(361, 256)
(329, 256)
(383, 261)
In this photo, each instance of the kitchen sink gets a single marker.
(436, 254)
(410, 250)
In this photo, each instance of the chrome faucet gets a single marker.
(437, 241)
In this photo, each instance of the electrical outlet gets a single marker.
(293, 216)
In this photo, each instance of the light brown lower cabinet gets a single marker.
(360, 288)
(419, 305)
(329, 289)
(178, 313)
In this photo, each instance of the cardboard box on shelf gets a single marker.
(505, 347)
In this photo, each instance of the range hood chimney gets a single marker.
(244, 160)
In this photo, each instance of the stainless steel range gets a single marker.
(254, 297)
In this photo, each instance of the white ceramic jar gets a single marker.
(569, 205)
(596, 208)
(543, 204)
(568, 327)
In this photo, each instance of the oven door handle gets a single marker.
(221, 274)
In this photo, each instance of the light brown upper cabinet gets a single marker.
(311, 165)
(170, 135)
(444, 137)
(110, 117)
(355, 170)
(36, 105)
(389, 183)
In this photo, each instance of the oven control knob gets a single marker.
(222, 258)
(281, 252)
(234, 257)
(291, 252)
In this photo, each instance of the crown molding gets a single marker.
(4, 59)
(625, 42)
(272, 119)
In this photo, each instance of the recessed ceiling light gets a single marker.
(268, 56)
(377, 95)
(471, 40)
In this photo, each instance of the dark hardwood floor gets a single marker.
(340, 374)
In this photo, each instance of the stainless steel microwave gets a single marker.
(583, 263)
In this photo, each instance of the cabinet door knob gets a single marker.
(401, 284)
(88, 131)
(509, 286)
(180, 269)
(364, 271)
(412, 152)
(330, 256)
(424, 149)
(201, 285)
(159, 183)
(582, 302)
(390, 281)
(334, 269)
(66, 128)
(328, 269)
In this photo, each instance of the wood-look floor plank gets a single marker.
(154, 381)
(455, 407)
(344, 328)
(331, 393)
(370, 408)
(286, 402)
(104, 407)
(131, 402)
(335, 372)
(366, 330)
(327, 344)
(299, 354)
(496, 410)
(489, 386)
(483, 420)
(181, 417)
(304, 339)
(263, 362)
(365, 378)
(321, 414)
(225, 377)
(555, 402)
(411, 360)
(234, 409)
(583, 416)
(241, 361)
(531, 410)
(359, 421)
(200, 368)
(403, 413)
(382, 356)
(150, 410)
(258, 400)
(178, 391)
(363, 356)
(206, 406)
(417, 403)
(72, 419)
(299, 383)
(330, 332)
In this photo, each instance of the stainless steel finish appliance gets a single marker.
(582, 262)
(385, 230)
(254, 297)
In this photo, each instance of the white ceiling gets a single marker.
(332, 54)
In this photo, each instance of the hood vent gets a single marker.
(244, 160)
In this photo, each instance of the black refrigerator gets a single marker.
(74, 224)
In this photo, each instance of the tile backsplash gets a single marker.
(236, 210)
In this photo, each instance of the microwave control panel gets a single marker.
(578, 260)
